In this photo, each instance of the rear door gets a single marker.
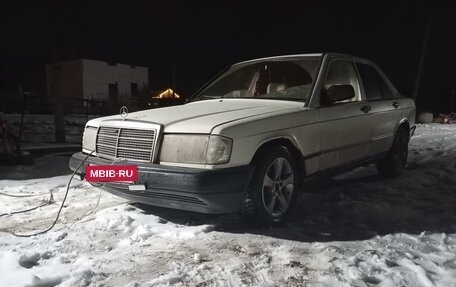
(385, 108)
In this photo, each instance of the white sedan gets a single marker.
(248, 140)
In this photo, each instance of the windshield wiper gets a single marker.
(282, 98)
(205, 97)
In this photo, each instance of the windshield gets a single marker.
(281, 80)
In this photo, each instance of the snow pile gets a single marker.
(354, 230)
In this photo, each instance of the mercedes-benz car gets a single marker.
(250, 138)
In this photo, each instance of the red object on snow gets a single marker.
(447, 119)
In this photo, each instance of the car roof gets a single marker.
(279, 58)
(297, 56)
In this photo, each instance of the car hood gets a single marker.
(204, 116)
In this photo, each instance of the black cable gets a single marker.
(60, 209)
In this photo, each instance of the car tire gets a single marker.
(273, 189)
(393, 164)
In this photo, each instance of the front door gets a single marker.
(343, 125)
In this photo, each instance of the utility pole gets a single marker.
(452, 106)
(422, 58)
(58, 103)
(21, 125)
(174, 75)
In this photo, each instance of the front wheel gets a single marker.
(273, 188)
(393, 164)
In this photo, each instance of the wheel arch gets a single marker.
(287, 143)
(404, 123)
(253, 207)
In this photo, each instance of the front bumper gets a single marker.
(200, 190)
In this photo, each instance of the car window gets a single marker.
(343, 73)
(374, 86)
(240, 80)
(386, 92)
(282, 80)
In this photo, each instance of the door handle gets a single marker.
(396, 105)
(366, 109)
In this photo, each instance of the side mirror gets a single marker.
(337, 93)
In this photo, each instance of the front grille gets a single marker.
(131, 144)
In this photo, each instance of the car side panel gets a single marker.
(300, 128)
(384, 118)
(408, 111)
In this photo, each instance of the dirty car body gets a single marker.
(249, 138)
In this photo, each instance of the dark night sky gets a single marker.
(201, 37)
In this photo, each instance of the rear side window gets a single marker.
(370, 81)
(374, 85)
(386, 92)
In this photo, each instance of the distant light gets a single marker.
(168, 93)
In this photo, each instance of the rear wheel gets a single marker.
(273, 188)
(393, 164)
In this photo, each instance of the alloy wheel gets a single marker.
(278, 187)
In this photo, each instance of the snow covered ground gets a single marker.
(354, 230)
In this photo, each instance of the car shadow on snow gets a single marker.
(354, 206)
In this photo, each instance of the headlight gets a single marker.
(88, 139)
(195, 149)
